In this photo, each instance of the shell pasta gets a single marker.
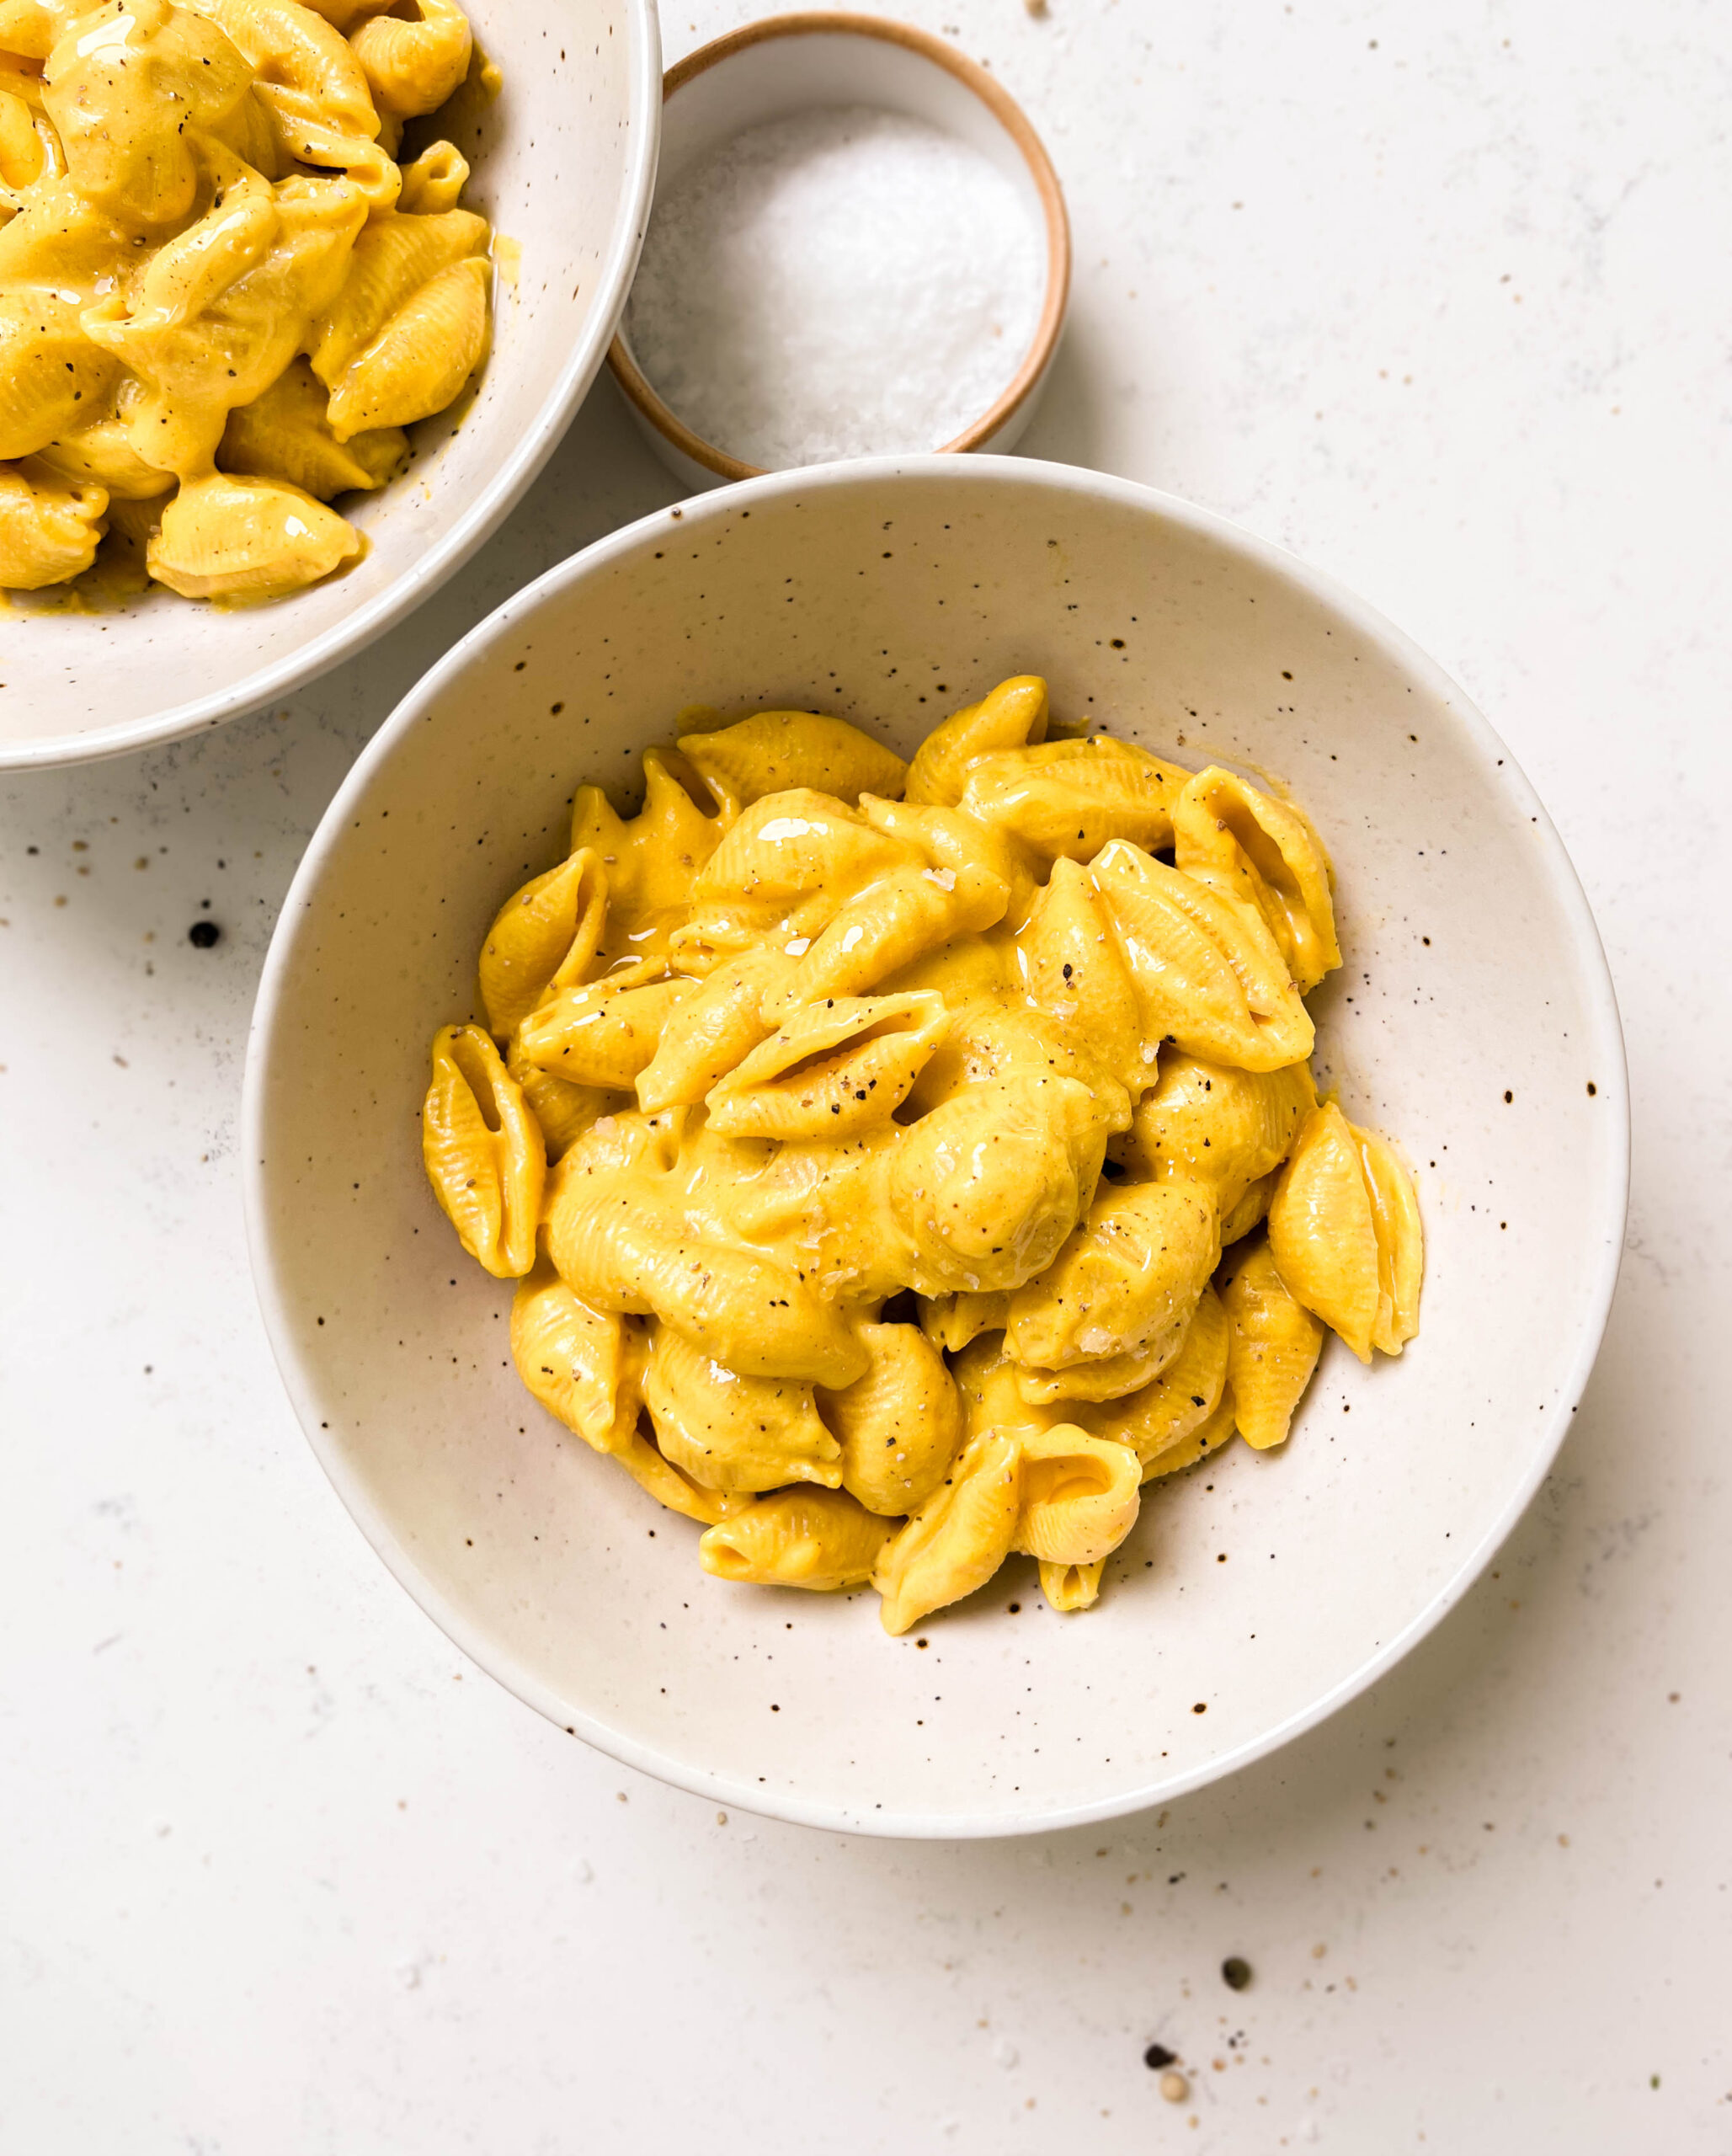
(904, 1166)
(222, 298)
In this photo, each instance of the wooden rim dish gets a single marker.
(1005, 110)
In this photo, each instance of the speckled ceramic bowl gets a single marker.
(564, 166)
(1473, 1021)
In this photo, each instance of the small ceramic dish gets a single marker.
(564, 164)
(789, 64)
(1473, 1021)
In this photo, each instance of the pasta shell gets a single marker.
(997, 1040)
(1251, 1210)
(484, 1155)
(21, 156)
(1070, 798)
(900, 1424)
(563, 1112)
(956, 1540)
(550, 928)
(1207, 972)
(33, 28)
(734, 1304)
(973, 974)
(1010, 716)
(1322, 1232)
(18, 78)
(711, 1032)
(343, 14)
(1112, 1377)
(1130, 1274)
(102, 455)
(986, 1381)
(795, 843)
(1401, 1259)
(130, 98)
(49, 527)
(58, 243)
(652, 861)
(622, 1243)
(837, 1068)
(798, 1537)
(1174, 1405)
(728, 1431)
(393, 258)
(421, 359)
(720, 931)
(1076, 973)
(283, 434)
(1263, 853)
(1273, 1345)
(602, 1032)
(198, 267)
(1207, 1123)
(200, 345)
(946, 839)
(775, 751)
(583, 1365)
(1209, 1436)
(1344, 1231)
(433, 182)
(1079, 1495)
(988, 1185)
(312, 86)
(669, 1486)
(413, 67)
(52, 377)
(247, 539)
(950, 1322)
(886, 928)
(1069, 1588)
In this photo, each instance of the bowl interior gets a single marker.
(788, 70)
(562, 162)
(1473, 1022)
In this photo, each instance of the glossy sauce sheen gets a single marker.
(221, 298)
(885, 1152)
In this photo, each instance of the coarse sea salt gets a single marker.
(843, 281)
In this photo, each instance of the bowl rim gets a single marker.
(1606, 1040)
(838, 21)
(530, 450)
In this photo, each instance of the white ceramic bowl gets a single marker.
(1473, 1021)
(564, 166)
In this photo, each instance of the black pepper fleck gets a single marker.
(203, 934)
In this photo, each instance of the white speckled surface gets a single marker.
(282, 1875)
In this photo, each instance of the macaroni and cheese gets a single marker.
(904, 1165)
(221, 298)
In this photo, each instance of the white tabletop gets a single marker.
(1438, 298)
